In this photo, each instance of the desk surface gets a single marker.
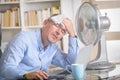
(64, 75)
(90, 75)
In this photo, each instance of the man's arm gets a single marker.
(11, 58)
(73, 49)
(62, 59)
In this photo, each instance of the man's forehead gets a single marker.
(61, 25)
(57, 19)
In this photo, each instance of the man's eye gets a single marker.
(63, 31)
(57, 25)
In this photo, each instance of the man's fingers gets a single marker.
(43, 74)
(39, 77)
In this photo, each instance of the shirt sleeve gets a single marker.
(11, 58)
(63, 59)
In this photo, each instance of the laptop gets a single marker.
(84, 55)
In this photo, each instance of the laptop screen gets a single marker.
(84, 55)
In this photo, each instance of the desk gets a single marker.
(90, 75)
(69, 77)
(64, 75)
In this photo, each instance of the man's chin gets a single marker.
(53, 41)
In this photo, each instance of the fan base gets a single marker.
(103, 66)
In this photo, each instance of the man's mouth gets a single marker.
(54, 36)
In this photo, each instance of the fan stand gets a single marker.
(101, 61)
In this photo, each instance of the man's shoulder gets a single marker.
(27, 33)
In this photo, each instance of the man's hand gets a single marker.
(37, 75)
(69, 27)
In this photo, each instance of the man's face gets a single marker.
(56, 32)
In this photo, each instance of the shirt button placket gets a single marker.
(40, 57)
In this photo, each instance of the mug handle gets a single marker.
(68, 68)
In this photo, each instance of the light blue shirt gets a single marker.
(26, 53)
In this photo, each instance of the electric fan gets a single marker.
(90, 27)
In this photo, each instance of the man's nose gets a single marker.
(58, 32)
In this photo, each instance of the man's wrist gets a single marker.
(25, 76)
(72, 35)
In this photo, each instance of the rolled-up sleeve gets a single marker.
(73, 50)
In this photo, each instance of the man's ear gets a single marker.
(45, 21)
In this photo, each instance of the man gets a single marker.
(30, 53)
